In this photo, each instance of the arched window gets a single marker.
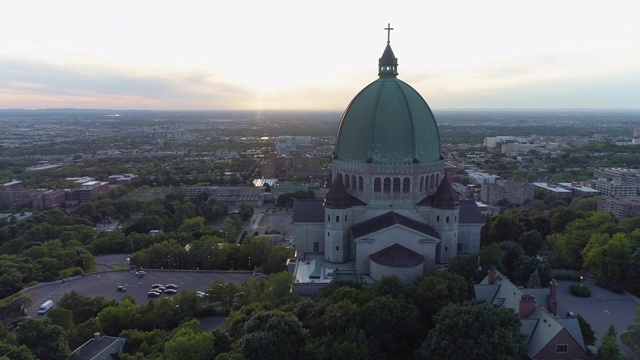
(406, 185)
(437, 179)
(353, 182)
(432, 182)
(387, 185)
(346, 181)
(377, 185)
(396, 185)
(421, 183)
(360, 183)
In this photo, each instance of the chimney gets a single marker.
(492, 275)
(527, 304)
(553, 301)
(553, 290)
(553, 307)
(96, 336)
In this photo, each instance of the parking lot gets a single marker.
(106, 284)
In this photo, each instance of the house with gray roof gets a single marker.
(548, 336)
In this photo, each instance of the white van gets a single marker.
(45, 307)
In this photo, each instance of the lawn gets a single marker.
(631, 340)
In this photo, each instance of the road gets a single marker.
(601, 309)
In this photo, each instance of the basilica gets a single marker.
(390, 209)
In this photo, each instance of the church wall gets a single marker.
(363, 250)
(306, 235)
(337, 224)
(423, 179)
(429, 253)
(396, 234)
(445, 222)
(469, 237)
(406, 274)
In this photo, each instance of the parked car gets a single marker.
(170, 291)
(200, 293)
(141, 273)
(160, 289)
(45, 307)
(171, 286)
(122, 288)
(153, 294)
(155, 286)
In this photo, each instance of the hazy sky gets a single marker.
(270, 54)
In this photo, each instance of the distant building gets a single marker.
(286, 145)
(479, 177)
(252, 196)
(496, 142)
(92, 189)
(14, 194)
(622, 175)
(123, 180)
(548, 336)
(515, 192)
(49, 199)
(578, 190)
(285, 166)
(614, 188)
(548, 187)
(620, 207)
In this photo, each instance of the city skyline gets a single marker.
(289, 55)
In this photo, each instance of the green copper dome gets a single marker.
(388, 122)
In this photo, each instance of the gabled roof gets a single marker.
(397, 255)
(539, 326)
(389, 219)
(308, 210)
(470, 213)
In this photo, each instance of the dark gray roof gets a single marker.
(470, 213)
(337, 197)
(397, 255)
(573, 328)
(389, 219)
(308, 210)
(445, 197)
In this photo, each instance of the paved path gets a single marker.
(105, 284)
(600, 310)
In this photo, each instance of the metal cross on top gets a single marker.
(388, 28)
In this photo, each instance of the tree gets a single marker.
(609, 349)
(222, 293)
(505, 227)
(432, 292)
(189, 342)
(534, 280)
(467, 267)
(475, 330)
(45, 340)
(245, 212)
(272, 334)
(588, 334)
(12, 352)
(608, 259)
(531, 242)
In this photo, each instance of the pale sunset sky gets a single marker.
(316, 55)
